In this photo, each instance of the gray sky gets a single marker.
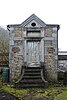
(50, 11)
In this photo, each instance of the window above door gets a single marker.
(33, 34)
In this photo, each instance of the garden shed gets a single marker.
(33, 45)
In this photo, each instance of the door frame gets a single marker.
(42, 46)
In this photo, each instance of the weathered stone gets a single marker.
(51, 50)
(15, 49)
(18, 42)
(17, 31)
(48, 42)
(48, 32)
(46, 47)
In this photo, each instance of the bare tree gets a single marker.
(4, 41)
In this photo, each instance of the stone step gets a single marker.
(31, 78)
(31, 82)
(30, 85)
(33, 68)
(30, 71)
(32, 74)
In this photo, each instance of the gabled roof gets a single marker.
(38, 20)
(33, 17)
(28, 20)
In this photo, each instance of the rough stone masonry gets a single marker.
(33, 29)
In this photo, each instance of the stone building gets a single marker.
(33, 44)
(62, 60)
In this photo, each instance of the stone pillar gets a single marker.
(50, 54)
(16, 59)
(42, 45)
(25, 51)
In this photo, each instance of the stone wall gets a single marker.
(51, 53)
(16, 52)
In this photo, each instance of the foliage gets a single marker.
(36, 93)
(4, 38)
(15, 92)
(62, 96)
(60, 75)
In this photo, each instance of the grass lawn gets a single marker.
(61, 96)
(50, 93)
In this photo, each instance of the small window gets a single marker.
(33, 33)
(33, 24)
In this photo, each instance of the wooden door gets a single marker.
(33, 53)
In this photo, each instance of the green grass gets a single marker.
(61, 96)
(52, 92)
(15, 92)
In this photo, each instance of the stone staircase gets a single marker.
(31, 78)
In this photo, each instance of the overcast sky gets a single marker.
(50, 11)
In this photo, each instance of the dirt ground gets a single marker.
(32, 97)
(7, 96)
